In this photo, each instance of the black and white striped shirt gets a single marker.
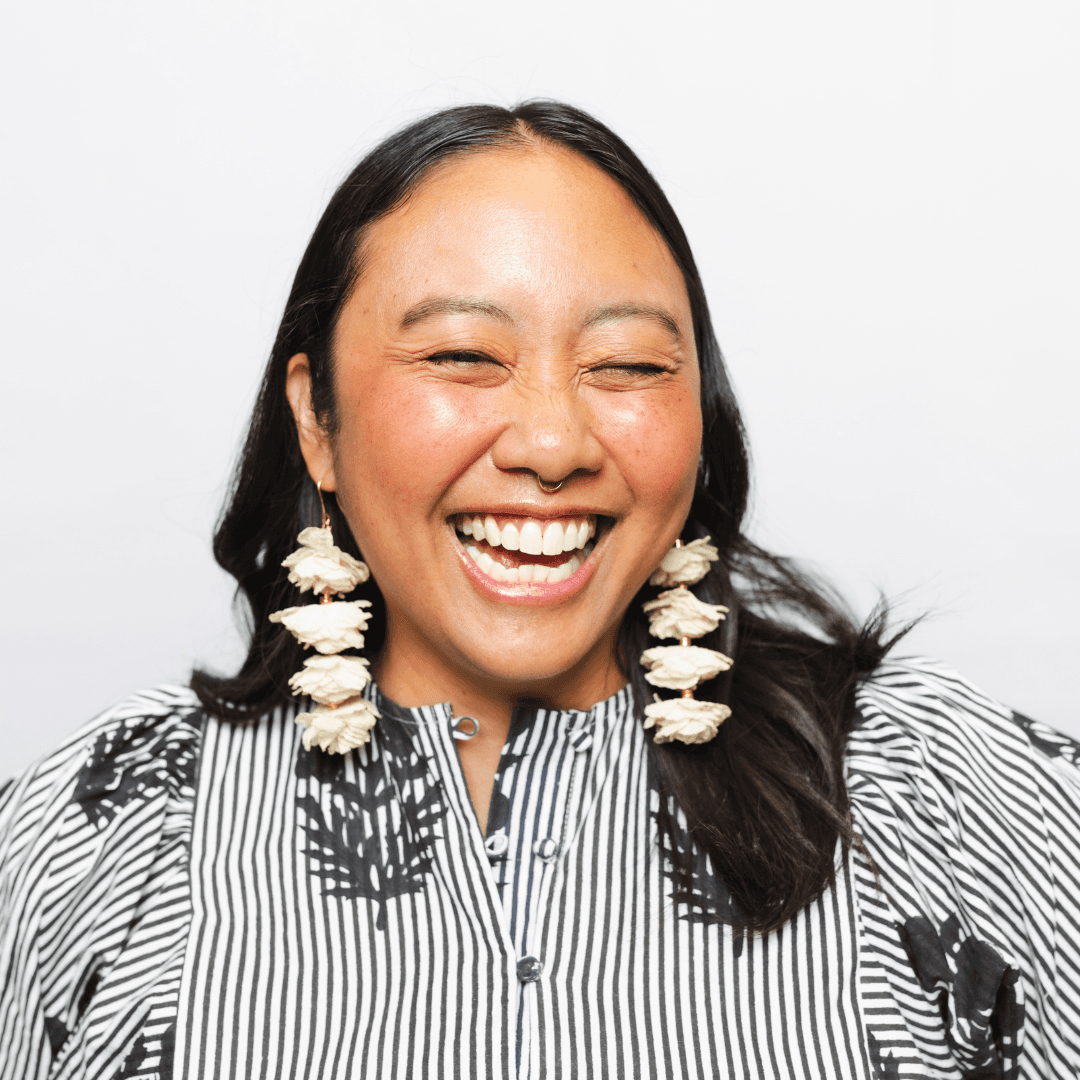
(180, 897)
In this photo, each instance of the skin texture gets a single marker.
(542, 368)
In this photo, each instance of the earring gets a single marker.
(341, 719)
(678, 613)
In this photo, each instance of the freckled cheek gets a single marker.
(414, 441)
(656, 446)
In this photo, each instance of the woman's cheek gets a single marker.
(655, 443)
(419, 438)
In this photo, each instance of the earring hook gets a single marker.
(322, 506)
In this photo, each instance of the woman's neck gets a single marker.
(411, 673)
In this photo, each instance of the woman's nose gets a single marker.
(549, 433)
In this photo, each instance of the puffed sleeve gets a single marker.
(93, 889)
(969, 888)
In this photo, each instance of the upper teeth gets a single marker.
(529, 535)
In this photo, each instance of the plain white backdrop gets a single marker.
(882, 199)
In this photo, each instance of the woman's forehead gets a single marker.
(519, 222)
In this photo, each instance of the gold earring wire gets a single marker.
(322, 506)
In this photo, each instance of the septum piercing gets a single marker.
(544, 486)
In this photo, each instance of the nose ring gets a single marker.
(550, 489)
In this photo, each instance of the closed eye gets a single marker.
(460, 357)
(614, 375)
(635, 369)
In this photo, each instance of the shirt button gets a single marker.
(581, 740)
(496, 845)
(528, 969)
(546, 849)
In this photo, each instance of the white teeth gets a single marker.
(553, 539)
(531, 572)
(532, 539)
(510, 538)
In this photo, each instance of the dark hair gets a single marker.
(765, 799)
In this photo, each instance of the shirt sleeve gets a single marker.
(92, 852)
(970, 816)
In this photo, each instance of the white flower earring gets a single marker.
(678, 613)
(341, 719)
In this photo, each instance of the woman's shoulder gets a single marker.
(140, 750)
(970, 815)
(94, 851)
(930, 751)
(919, 714)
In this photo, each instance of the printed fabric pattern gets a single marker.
(971, 929)
(95, 896)
(182, 898)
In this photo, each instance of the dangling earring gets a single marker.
(678, 613)
(342, 719)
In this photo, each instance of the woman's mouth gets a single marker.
(520, 550)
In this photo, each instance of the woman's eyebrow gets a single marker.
(454, 305)
(613, 312)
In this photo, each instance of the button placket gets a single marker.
(440, 738)
(547, 849)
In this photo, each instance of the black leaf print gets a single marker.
(371, 838)
(91, 980)
(885, 1066)
(151, 1056)
(977, 995)
(1048, 741)
(703, 895)
(134, 760)
(701, 892)
(498, 809)
(57, 1032)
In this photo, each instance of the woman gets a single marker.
(496, 381)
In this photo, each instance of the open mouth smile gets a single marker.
(524, 550)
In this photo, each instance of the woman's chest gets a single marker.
(348, 918)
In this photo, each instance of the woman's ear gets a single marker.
(314, 442)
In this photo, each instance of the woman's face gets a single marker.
(516, 318)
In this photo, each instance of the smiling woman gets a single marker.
(496, 418)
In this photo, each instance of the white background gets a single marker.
(883, 199)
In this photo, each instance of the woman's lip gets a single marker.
(527, 510)
(538, 593)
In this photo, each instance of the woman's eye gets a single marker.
(630, 372)
(457, 357)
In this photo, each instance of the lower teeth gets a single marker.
(528, 573)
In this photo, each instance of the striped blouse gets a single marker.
(181, 897)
